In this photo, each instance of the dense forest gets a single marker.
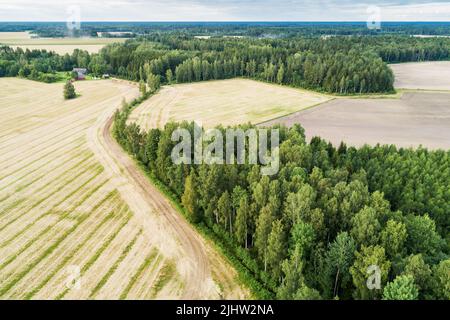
(333, 64)
(343, 65)
(313, 230)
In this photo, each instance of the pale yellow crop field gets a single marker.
(61, 215)
(226, 102)
(58, 45)
(73, 206)
(14, 36)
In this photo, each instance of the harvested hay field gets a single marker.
(58, 45)
(415, 119)
(59, 209)
(422, 75)
(226, 102)
(68, 208)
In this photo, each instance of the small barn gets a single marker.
(81, 73)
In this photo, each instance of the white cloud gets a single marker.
(223, 10)
(422, 12)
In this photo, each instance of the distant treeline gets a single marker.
(313, 230)
(343, 65)
(250, 29)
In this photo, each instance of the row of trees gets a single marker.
(315, 229)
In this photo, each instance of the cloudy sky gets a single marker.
(224, 10)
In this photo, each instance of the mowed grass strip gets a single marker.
(28, 210)
(54, 168)
(52, 153)
(73, 153)
(67, 196)
(144, 266)
(51, 248)
(100, 251)
(69, 256)
(52, 182)
(166, 274)
(114, 267)
(48, 228)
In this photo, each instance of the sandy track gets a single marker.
(191, 253)
(143, 199)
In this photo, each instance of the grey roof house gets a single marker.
(81, 73)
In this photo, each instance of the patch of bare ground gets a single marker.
(417, 118)
(422, 75)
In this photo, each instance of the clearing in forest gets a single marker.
(226, 102)
(68, 213)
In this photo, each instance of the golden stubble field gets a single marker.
(67, 209)
(58, 45)
(226, 102)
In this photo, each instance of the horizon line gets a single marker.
(228, 21)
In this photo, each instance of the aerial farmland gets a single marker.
(110, 191)
(60, 207)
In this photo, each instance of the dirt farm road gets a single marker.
(194, 257)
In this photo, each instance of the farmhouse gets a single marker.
(81, 73)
